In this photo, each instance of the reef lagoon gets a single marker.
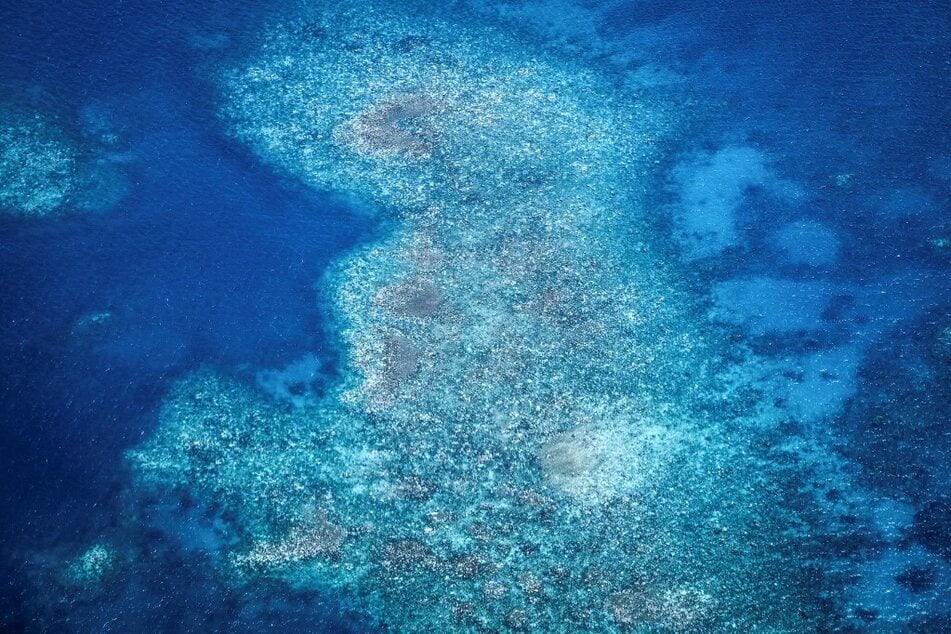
(482, 316)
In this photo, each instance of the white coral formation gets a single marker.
(313, 538)
(89, 569)
(47, 167)
(38, 169)
(594, 463)
(396, 127)
(415, 112)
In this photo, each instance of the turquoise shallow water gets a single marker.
(530, 316)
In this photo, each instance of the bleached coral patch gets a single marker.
(421, 114)
(90, 568)
(38, 167)
(594, 463)
(47, 167)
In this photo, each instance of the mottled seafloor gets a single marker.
(541, 316)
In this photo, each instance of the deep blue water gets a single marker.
(210, 258)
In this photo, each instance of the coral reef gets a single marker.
(47, 168)
(532, 430)
(90, 568)
(38, 170)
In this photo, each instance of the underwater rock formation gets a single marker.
(531, 430)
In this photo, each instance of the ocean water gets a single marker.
(545, 315)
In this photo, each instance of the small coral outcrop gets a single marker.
(38, 167)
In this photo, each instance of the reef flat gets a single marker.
(534, 429)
